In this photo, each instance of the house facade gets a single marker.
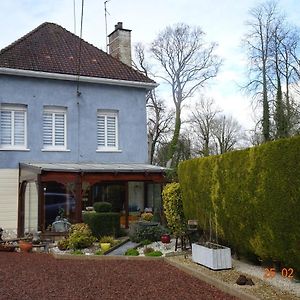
(72, 131)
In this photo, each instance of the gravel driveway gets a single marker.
(40, 276)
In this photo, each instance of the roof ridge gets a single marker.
(19, 55)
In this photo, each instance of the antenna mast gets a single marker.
(105, 14)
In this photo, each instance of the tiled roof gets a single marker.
(53, 49)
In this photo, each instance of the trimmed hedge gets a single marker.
(102, 207)
(253, 196)
(102, 224)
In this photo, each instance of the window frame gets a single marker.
(106, 114)
(53, 110)
(13, 108)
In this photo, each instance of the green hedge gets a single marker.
(253, 196)
(101, 224)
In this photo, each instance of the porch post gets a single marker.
(126, 205)
(78, 193)
(21, 208)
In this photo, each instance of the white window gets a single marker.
(107, 130)
(54, 128)
(13, 127)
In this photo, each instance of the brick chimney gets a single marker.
(119, 44)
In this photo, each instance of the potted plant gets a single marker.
(25, 244)
(212, 255)
(106, 242)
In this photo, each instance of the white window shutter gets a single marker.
(111, 131)
(47, 129)
(19, 128)
(59, 126)
(101, 131)
(6, 127)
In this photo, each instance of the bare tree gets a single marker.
(272, 51)
(258, 42)
(188, 63)
(202, 121)
(227, 133)
(159, 118)
(214, 133)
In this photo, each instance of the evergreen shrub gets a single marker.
(252, 197)
(102, 223)
(173, 208)
(102, 207)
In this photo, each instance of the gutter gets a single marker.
(59, 76)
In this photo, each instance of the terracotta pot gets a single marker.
(165, 238)
(25, 246)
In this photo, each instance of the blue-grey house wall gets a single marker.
(130, 103)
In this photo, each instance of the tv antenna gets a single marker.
(105, 14)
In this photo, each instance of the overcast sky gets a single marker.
(222, 20)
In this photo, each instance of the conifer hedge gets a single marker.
(253, 196)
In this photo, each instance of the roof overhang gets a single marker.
(92, 167)
(59, 76)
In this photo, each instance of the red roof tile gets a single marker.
(51, 48)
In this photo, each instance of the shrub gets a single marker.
(63, 244)
(132, 252)
(107, 239)
(80, 236)
(145, 242)
(252, 196)
(147, 216)
(102, 223)
(142, 231)
(173, 208)
(99, 252)
(102, 207)
(154, 253)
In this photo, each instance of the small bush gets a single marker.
(140, 231)
(145, 242)
(147, 216)
(102, 207)
(63, 244)
(154, 253)
(132, 252)
(80, 236)
(98, 252)
(105, 223)
(107, 239)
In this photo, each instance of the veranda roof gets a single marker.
(94, 167)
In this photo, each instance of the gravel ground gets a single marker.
(40, 276)
(275, 288)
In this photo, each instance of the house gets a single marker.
(72, 130)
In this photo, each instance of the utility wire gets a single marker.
(74, 16)
(105, 15)
(80, 48)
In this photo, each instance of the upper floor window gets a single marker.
(13, 126)
(54, 128)
(107, 130)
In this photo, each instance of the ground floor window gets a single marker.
(59, 201)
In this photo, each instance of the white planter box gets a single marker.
(212, 255)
